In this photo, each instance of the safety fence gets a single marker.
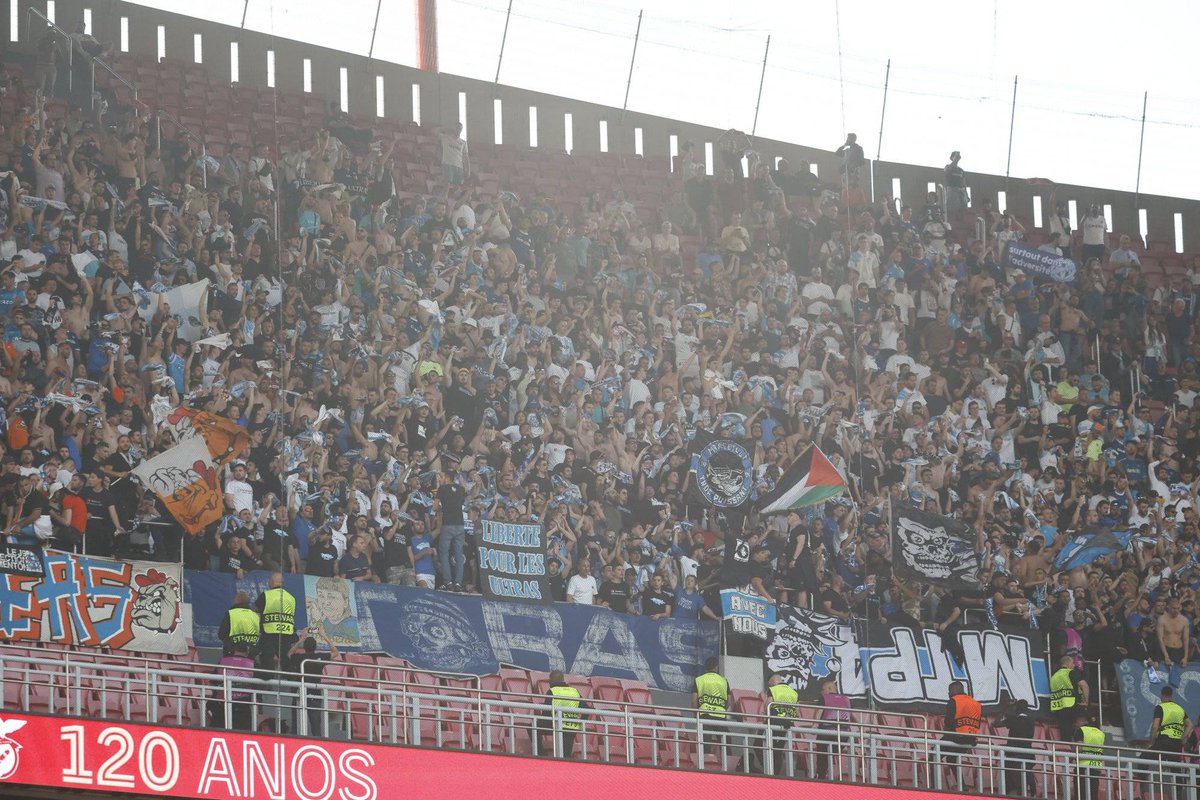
(395, 704)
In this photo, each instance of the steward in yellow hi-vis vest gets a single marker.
(712, 692)
(565, 704)
(241, 625)
(277, 608)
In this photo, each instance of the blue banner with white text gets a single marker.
(748, 613)
(439, 631)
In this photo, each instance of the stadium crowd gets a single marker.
(408, 364)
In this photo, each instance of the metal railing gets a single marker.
(403, 707)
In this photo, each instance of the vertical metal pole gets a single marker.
(632, 59)
(761, 79)
(374, 28)
(245, 8)
(1137, 190)
(1011, 122)
(503, 40)
(887, 77)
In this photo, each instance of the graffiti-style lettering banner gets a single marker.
(81, 600)
(908, 669)
(512, 562)
(465, 633)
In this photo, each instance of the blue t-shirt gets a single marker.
(422, 547)
(687, 605)
(301, 528)
(8, 299)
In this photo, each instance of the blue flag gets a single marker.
(1088, 546)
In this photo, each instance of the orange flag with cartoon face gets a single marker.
(224, 437)
(185, 479)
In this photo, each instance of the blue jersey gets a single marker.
(687, 604)
(422, 548)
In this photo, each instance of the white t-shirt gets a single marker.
(582, 590)
(1094, 229)
(453, 150)
(242, 494)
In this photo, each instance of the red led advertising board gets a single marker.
(79, 754)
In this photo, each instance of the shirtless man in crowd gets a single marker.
(1173, 628)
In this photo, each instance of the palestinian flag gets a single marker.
(811, 479)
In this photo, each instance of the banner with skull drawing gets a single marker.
(808, 648)
(82, 600)
(933, 549)
(904, 669)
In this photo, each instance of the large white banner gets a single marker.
(83, 600)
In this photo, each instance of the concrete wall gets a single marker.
(439, 104)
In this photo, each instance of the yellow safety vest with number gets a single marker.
(279, 611)
(1173, 717)
(786, 696)
(568, 699)
(1093, 745)
(243, 626)
(712, 691)
(1062, 690)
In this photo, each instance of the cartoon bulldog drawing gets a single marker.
(155, 602)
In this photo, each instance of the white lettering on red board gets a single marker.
(308, 771)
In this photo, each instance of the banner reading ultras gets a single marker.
(512, 562)
(180, 762)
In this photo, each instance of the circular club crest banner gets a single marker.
(725, 473)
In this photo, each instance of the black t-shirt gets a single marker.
(655, 602)
(460, 402)
(232, 561)
(121, 462)
(736, 570)
(321, 560)
(277, 543)
(616, 594)
(35, 501)
(836, 601)
(1031, 450)
(452, 497)
(420, 431)
(1020, 725)
(355, 566)
(393, 551)
(97, 506)
(558, 587)
(195, 551)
